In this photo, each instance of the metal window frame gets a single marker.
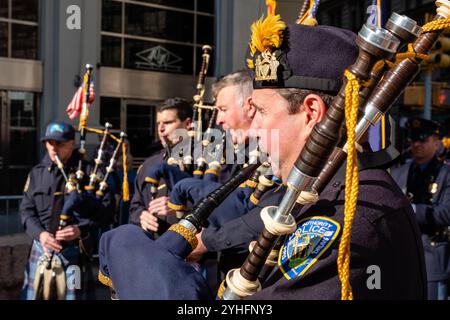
(122, 35)
(10, 21)
(164, 7)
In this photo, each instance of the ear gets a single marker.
(187, 122)
(315, 110)
(249, 109)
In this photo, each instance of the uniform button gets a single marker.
(228, 243)
(336, 184)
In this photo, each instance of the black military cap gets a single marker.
(59, 131)
(420, 129)
(299, 56)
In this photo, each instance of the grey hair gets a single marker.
(241, 80)
(295, 97)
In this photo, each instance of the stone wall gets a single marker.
(13, 256)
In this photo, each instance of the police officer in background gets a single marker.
(174, 113)
(426, 182)
(40, 212)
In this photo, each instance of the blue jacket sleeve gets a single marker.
(234, 235)
(29, 216)
(137, 204)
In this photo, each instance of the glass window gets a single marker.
(154, 56)
(22, 110)
(111, 49)
(205, 6)
(184, 4)
(3, 39)
(4, 8)
(112, 16)
(23, 137)
(24, 41)
(210, 72)
(25, 10)
(158, 35)
(140, 128)
(205, 30)
(158, 23)
(110, 111)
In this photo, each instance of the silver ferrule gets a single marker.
(228, 294)
(187, 160)
(99, 155)
(299, 180)
(379, 38)
(405, 23)
(103, 186)
(79, 174)
(82, 150)
(372, 113)
(361, 128)
(93, 178)
(188, 225)
(286, 206)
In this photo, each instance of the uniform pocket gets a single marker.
(43, 201)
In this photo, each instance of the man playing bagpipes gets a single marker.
(173, 114)
(45, 206)
(231, 227)
(308, 66)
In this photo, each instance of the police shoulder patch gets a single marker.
(27, 184)
(313, 236)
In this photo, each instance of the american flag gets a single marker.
(75, 106)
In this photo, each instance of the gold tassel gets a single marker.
(125, 188)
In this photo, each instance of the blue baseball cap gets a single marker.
(59, 131)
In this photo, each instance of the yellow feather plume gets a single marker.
(446, 143)
(266, 33)
(250, 64)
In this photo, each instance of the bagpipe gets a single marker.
(315, 165)
(97, 180)
(182, 161)
(83, 188)
(244, 198)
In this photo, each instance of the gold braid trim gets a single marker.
(221, 290)
(176, 207)
(212, 171)
(253, 199)
(251, 184)
(151, 180)
(105, 280)
(188, 235)
(198, 172)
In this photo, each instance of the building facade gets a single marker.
(143, 52)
